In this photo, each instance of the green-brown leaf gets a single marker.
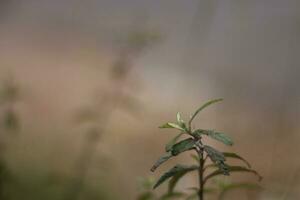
(236, 156)
(161, 160)
(174, 171)
(170, 144)
(202, 107)
(172, 125)
(182, 146)
(218, 158)
(232, 169)
(215, 135)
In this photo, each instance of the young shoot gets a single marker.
(206, 170)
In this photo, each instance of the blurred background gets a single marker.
(85, 84)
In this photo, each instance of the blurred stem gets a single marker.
(90, 148)
(120, 70)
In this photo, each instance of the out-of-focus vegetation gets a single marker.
(99, 115)
(9, 127)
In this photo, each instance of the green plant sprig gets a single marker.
(194, 142)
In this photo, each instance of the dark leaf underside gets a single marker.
(218, 158)
(182, 146)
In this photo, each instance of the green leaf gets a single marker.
(217, 157)
(183, 145)
(174, 180)
(174, 150)
(213, 134)
(172, 142)
(197, 133)
(214, 155)
(172, 125)
(174, 171)
(179, 120)
(202, 107)
(161, 160)
(234, 155)
(232, 169)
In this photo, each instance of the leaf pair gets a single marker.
(180, 124)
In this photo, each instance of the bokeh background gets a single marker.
(85, 84)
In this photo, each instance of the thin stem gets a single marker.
(200, 171)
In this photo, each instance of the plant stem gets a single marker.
(200, 171)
